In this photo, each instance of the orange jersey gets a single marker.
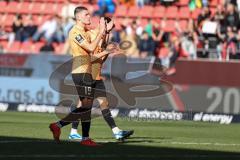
(81, 58)
(96, 65)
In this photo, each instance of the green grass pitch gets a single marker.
(27, 136)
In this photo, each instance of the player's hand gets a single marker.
(112, 47)
(102, 25)
(110, 26)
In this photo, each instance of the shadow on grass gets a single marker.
(29, 148)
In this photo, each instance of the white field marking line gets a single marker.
(177, 143)
(115, 155)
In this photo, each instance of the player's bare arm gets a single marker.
(80, 39)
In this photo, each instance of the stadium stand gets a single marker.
(171, 15)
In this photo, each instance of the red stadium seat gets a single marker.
(195, 13)
(59, 7)
(213, 3)
(37, 20)
(12, 7)
(183, 24)
(50, 8)
(121, 11)
(14, 47)
(172, 12)
(77, 1)
(8, 21)
(4, 44)
(144, 22)
(37, 8)
(59, 48)
(146, 12)
(2, 17)
(133, 11)
(163, 52)
(117, 23)
(159, 12)
(182, 3)
(59, 1)
(170, 26)
(25, 7)
(37, 46)
(213, 10)
(27, 47)
(3, 5)
(184, 13)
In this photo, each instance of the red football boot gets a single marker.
(89, 142)
(56, 131)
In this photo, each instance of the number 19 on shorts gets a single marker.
(88, 91)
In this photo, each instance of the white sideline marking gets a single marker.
(169, 142)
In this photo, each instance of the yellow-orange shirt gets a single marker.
(96, 65)
(81, 57)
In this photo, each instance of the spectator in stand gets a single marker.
(47, 30)
(129, 34)
(1, 49)
(231, 44)
(219, 17)
(3, 34)
(129, 26)
(204, 15)
(115, 36)
(127, 3)
(67, 16)
(140, 3)
(66, 26)
(29, 28)
(238, 5)
(155, 2)
(58, 35)
(188, 39)
(18, 29)
(139, 28)
(205, 3)
(149, 28)
(157, 35)
(67, 10)
(234, 2)
(174, 50)
(105, 6)
(238, 45)
(144, 45)
(232, 17)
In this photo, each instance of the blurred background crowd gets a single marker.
(167, 29)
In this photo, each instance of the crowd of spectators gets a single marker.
(212, 35)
